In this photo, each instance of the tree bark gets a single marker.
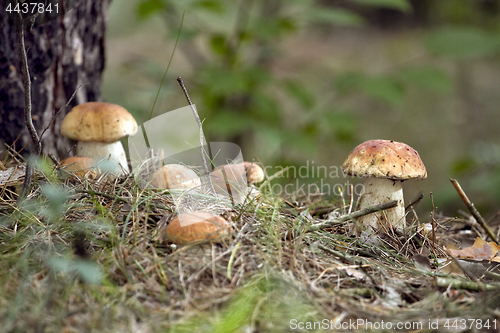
(63, 54)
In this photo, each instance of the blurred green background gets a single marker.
(295, 81)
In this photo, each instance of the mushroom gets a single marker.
(231, 178)
(175, 176)
(80, 166)
(98, 128)
(197, 227)
(255, 174)
(385, 164)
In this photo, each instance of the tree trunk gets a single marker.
(63, 55)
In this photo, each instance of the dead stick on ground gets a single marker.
(473, 210)
(27, 112)
(355, 215)
(468, 285)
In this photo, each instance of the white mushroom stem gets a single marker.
(380, 190)
(102, 151)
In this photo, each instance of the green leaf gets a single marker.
(463, 165)
(299, 92)
(222, 82)
(266, 109)
(304, 143)
(218, 44)
(343, 125)
(348, 81)
(228, 122)
(462, 43)
(149, 7)
(213, 6)
(186, 34)
(43, 164)
(271, 29)
(257, 76)
(88, 271)
(56, 197)
(383, 88)
(336, 16)
(269, 135)
(402, 5)
(428, 78)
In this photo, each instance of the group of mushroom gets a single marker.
(98, 128)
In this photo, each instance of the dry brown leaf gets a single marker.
(452, 247)
(475, 268)
(480, 250)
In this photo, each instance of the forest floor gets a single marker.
(89, 255)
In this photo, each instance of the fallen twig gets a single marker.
(469, 285)
(355, 215)
(473, 210)
(414, 203)
(491, 275)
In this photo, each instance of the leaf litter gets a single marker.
(98, 261)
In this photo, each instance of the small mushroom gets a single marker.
(235, 177)
(385, 164)
(80, 166)
(98, 128)
(197, 227)
(255, 174)
(175, 176)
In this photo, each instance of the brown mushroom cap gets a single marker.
(175, 176)
(384, 159)
(80, 166)
(249, 172)
(98, 121)
(230, 175)
(197, 227)
(255, 174)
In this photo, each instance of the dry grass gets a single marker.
(88, 255)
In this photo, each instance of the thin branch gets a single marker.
(355, 215)
(414, 203)
(63, 107)
(37, 148)
(202, 139)
(27, 89)
(473, 210)
(433, 220)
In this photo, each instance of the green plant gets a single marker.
(237, 88)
